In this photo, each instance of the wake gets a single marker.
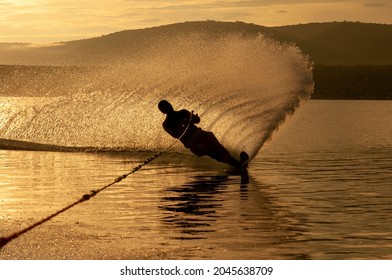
(242, 87)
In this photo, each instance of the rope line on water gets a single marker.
(87, 196)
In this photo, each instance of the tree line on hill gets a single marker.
(353, 82)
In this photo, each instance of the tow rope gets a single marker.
(87, 196)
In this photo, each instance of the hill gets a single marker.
(341, 43)
(352, 60)
(336, 43)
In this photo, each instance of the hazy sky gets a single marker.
(44, 21)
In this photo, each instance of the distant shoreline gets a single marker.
(358, 82)
(332, 82)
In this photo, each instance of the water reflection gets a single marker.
(192, 207)
(288, 211)
(249, 221)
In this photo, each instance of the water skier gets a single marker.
(181, 125)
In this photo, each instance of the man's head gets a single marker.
(165, 107)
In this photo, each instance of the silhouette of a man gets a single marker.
(181, 125)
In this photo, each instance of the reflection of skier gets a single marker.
(181, 125)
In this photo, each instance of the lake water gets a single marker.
(320, 189)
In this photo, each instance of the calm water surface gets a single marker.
(320, 189)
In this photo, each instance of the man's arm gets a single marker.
(195, 118)
(189, 117)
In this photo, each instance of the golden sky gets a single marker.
(46, 21)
